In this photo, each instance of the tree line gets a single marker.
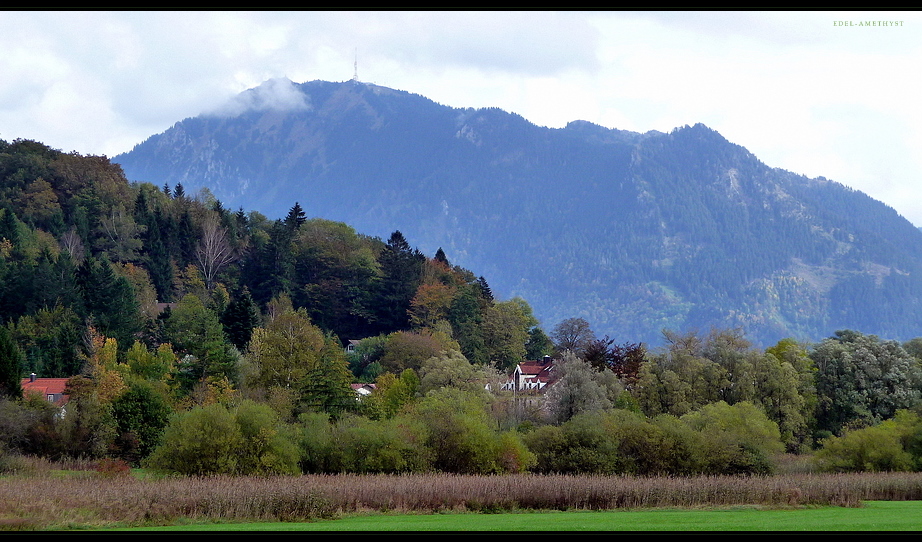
(200, 340)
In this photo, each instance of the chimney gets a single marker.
(547, 359)
(32, 377)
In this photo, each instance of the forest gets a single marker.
(202, 340)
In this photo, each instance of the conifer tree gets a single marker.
(440, 256)
(8, 227)
(327, 384)
(401, 267)
(240, 318)
(109, 299)
(11, 361)
(157, 256)
(485, 292)
(295, 217)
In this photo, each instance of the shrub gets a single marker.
(463, 446)
(458, 432)
(214, 440)
(581, 445)
(267, 447)
(201, 441)
(319, 453)
(113, 467)
(384, 446)
(140, 416)
(718, 439)
(361, 445)
(12, 463)
(737, 439)
(514, 456)
(892, 445)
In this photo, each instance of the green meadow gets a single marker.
(873, 516)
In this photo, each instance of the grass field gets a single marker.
(95, 500)
(874, 516)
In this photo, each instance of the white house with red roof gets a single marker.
(362, 390)
(533, 375)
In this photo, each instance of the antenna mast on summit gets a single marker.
(355, 76)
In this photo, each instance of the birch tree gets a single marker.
(213, 252)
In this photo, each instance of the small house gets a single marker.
(351, 346)
(362, 390)
(51, 389)
(532, 375)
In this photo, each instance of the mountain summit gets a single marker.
(634, 232)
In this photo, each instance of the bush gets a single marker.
(581, 445)
(892, 445)
(140, 415)
(384, 446)
(113, 467)
(459, 432)
(737, 439)
(201, 441)
(718, 439)
(319, 452)
(12, 463)
(267, 447)
(514, 456)
(214, 440)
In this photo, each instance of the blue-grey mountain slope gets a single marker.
(634, 232)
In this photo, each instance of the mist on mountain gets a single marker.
(635, 232)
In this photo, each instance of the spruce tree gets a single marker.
(401, 268)
(295, 217)
(485, 292)
(240, 318)
(159, 263)
(11, 361)
(440, 256)
(326, 387)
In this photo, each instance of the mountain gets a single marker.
(634, 232)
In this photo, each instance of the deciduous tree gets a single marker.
(573, 334)
(214, 251)
(580, 388)
(861, 377)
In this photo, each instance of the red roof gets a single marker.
(46, 387)
(536, 368)
(360, 386)
(534, 374)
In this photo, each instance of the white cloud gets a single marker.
(275, 94)
(796, 90)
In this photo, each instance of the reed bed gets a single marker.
(36, 502)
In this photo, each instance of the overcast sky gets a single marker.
(814, 93)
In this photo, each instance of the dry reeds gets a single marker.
(91, 499)
(510, 492)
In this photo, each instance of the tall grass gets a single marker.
(41, 501)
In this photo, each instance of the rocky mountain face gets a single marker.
(634, 232)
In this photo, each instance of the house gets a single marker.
(532, 375)
(351, 346)
(49, 388)
(362, 390)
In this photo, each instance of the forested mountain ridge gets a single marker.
(86, 255)
(634, 232)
